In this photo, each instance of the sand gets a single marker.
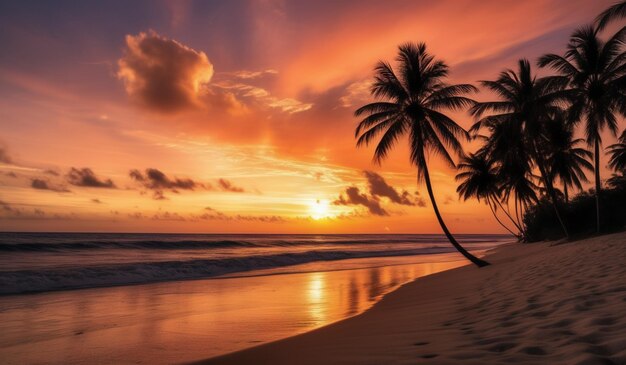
(537, 304)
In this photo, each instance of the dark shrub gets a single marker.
(580, 215)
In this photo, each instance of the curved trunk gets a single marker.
(550, 189)
(495, 215)
(475, 260)
(598, 183)
(509, 215)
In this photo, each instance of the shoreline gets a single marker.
(528, 307)
(190, 320)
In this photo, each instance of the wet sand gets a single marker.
(538, 304)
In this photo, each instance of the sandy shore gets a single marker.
(538, 304)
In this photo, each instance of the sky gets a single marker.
(236, 116)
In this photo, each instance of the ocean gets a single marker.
(40, 262)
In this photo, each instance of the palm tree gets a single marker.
(597, 72)
(566, 161)
(478, 179)
(618, 154)
(514, 166)
(617, 11)
(411, 101)
(517, 121)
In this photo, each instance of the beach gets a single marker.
(538, 303)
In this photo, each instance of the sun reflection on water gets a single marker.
(316, 296)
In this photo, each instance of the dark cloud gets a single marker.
(420, 202)
(379, 187)
(41, 184)
(97, 201)
(354, 197)
(228, 186)
(11, 174)
(163, 74)
(157, 181)
(86, 177)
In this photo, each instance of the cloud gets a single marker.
(289, 105)
(96, 201)
(356, 93)
(157, 181)
(163, 74)
(379, 188)
(41, 184)
(244, 74)
(11, 174)
(228, 186)
(4, 155)
(86, 177)
(354, 197)
(264, 98)
(213, 214)
(419, 201)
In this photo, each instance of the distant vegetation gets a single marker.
(580, 213)
(530, 161)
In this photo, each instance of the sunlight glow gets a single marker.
(319, 209)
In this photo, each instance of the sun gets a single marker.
(319, 209)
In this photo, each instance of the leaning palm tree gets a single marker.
(411, 101)
(597, 72)
(567, 161)
(478, 177)
(617, 11)
(525, 105)
(617, 151)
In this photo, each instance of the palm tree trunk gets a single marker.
(598, 183)
(509, 215)
(493, 211)
(565, 194)
(475, 260)
(550, 189)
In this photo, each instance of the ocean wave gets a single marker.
(59, 244)
(29, 281)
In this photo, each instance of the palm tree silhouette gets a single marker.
(566, 162)
(478, 177)
(517, 121)
(597, 74)
(617, 11)
(411, 103)
(509, 152)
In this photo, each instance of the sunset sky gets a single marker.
(235, 116)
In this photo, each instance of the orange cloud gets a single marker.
(163, 74)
